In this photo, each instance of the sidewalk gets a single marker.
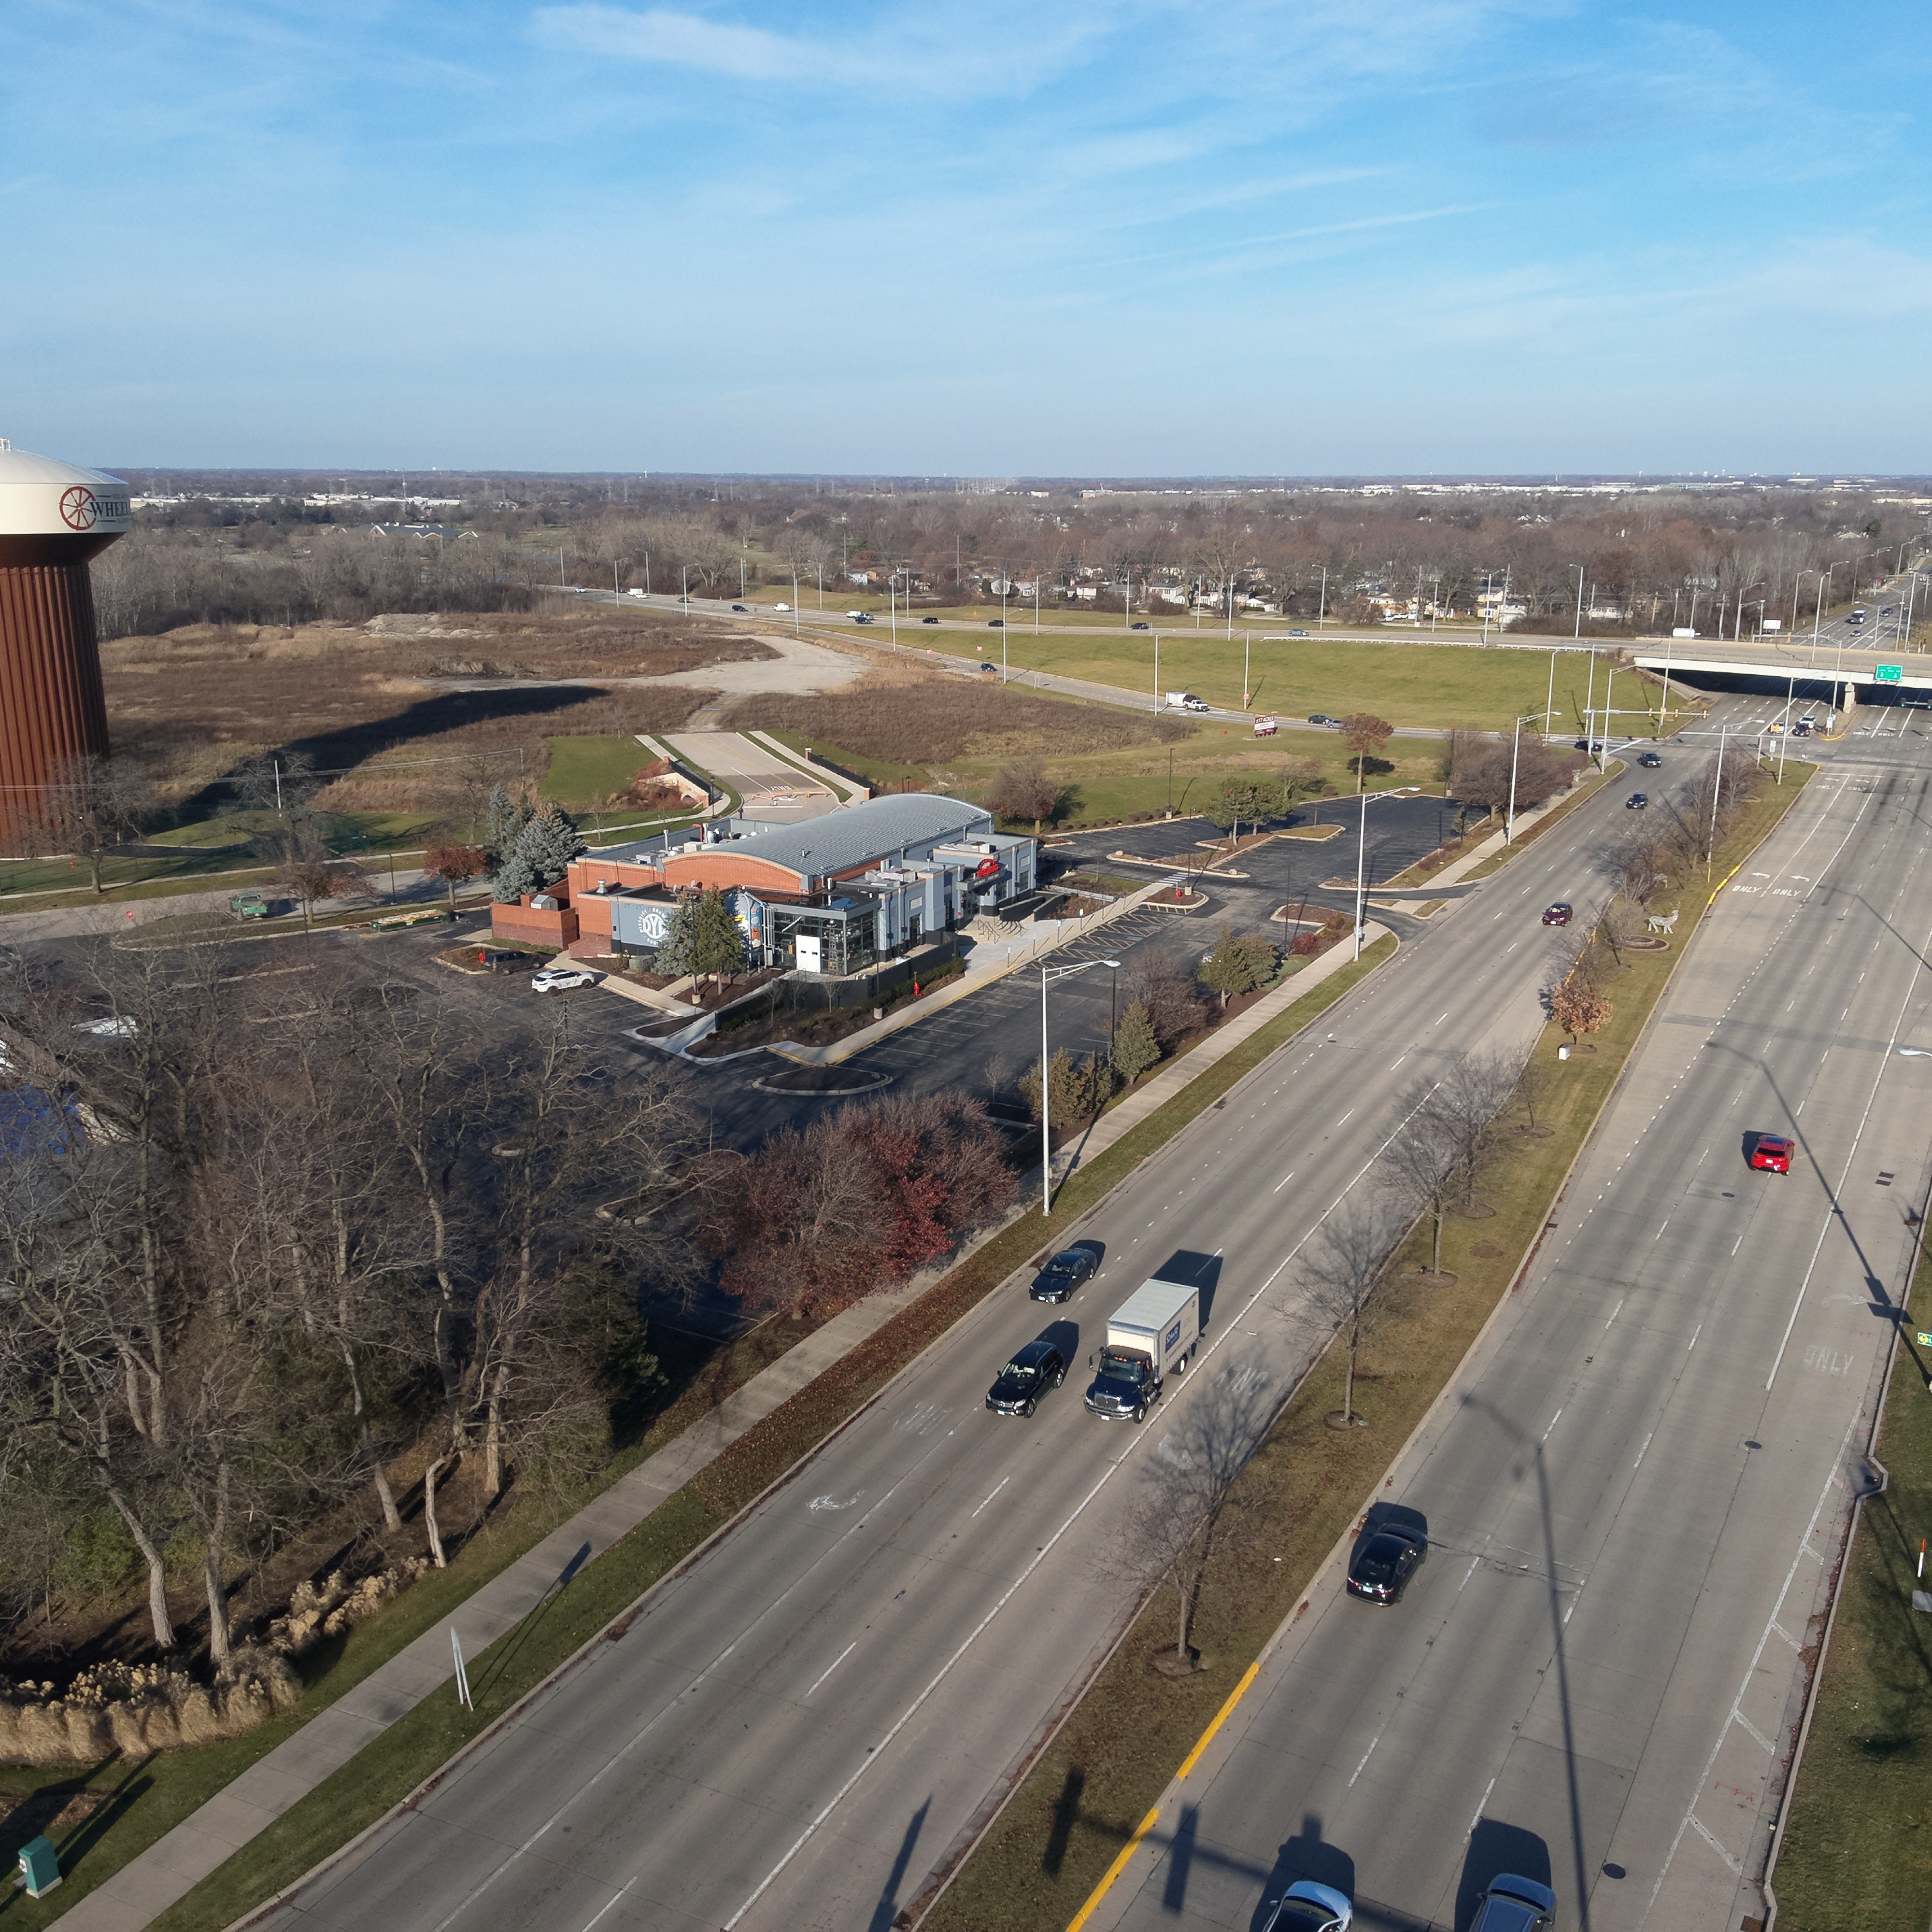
(155, 1879)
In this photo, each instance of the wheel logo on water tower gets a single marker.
(79, 509)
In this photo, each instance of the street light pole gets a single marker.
(1550, 697)
(1516, 753)
(1818, 610)
(1048, 974)
(1577, 635)
(1717, 794)
(1247, 660)
(1361, 853)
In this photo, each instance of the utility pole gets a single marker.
(1550, 697)
(1577, 635)
(1516, 754)
(1247, 658)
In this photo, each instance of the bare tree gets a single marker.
(1424, 1163)
(1185, 1514)
(1468, 1102)
(1024, 790)
(97, 803)
(1342, 1270)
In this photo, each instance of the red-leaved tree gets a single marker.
(454, 865)
(857, 1202)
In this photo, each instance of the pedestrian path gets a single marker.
(155, 1880)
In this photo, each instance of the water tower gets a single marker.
(53, 517)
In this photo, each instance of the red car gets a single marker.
(1557, 914)
(1772, 1154)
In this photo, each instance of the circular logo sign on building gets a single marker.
(79, 508)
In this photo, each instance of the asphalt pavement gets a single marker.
(1635, 1497)
(795, 1731)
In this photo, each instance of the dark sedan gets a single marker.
(1651, 762)
(1061, 1276)
(1636, 801)
(1384, 1563)
(1558, 914)
(1017, 1389)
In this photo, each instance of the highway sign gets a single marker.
(1889, 673)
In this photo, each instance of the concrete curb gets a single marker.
(258, 1914)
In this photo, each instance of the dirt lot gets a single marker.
(193, 703)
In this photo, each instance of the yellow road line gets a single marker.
(1113, 1871)
(1153, 1818)
(1234, 1697)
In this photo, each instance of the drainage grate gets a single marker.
(1885, 1180)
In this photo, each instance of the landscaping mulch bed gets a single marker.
(822, 1080)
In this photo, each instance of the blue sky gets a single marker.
(1488, 235)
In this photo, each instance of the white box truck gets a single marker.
(1152, 1332)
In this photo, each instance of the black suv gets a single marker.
(1066, 1271)
(1017, 1388)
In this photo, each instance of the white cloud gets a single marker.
(684, 39)
(1005, 50)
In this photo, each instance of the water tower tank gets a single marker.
(53, 517)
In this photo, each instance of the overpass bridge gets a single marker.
(1831, 670)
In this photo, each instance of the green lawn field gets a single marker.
(584, 771)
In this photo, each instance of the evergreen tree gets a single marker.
(1238, 965)
(539, 856)
(1135, 1048)
(717, 940)
(508, 816)
(513, 878)
(550, 840)
(674, 957)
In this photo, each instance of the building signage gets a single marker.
(1890, 673)
(642, 922)
(811, 952)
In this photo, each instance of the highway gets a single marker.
(796, 1730)
(1634, 1499)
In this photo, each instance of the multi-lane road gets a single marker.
(1635, 1497)
(797, 1730)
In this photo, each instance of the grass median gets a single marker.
(385, 1772)
(1858, 1848)
(1081, 1801)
